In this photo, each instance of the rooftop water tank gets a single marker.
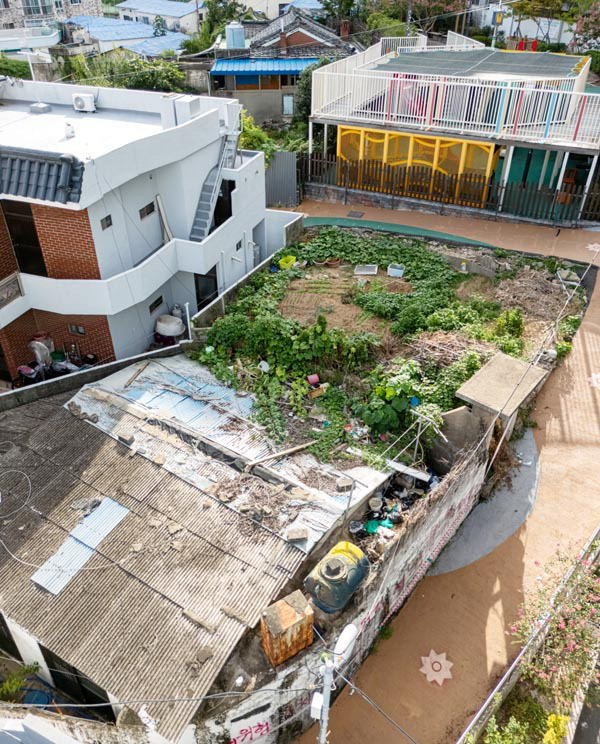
(336, 577)
(234, 35)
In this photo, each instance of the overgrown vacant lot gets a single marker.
(384, 345)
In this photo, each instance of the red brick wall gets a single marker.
(67, 244)
(15, 337)
(298, 38)
(8, 261)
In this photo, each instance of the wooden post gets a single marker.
(310, 146)
(325, 133)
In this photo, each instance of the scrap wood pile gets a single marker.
(445, 347)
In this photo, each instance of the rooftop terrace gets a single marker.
(462, 88)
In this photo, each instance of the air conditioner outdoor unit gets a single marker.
(84, 102)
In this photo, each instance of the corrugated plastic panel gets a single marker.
(58, 570)
(261, 66)
(96, 526)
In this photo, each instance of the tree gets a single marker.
(423, 12)
(118, 70)
(386, 25)
(337, 10)
(217, 14)
(587, 28)
(160, 27)
(303, 99)
(542, 13)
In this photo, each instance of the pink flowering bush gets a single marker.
(565, 659)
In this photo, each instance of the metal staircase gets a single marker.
(210, 189)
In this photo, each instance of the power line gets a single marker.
(379, 709)
(152, 701)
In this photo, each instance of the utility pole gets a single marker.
(321, 701)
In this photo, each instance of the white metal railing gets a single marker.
(458, 40)
(400, 44)
(551, 111)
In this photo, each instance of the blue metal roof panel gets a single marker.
(97, 525)
(155, 46)
(261, 66)
(112, 29)
(168, 8)
(58, 570)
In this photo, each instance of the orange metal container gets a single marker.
(287, 627)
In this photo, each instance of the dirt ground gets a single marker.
(468, 613)
(327, 291)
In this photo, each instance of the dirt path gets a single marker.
(468, 612)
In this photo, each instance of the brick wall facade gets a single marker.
(298, 38)
(15, 337)
(67, 243)
(8, 261)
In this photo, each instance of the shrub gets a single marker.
(510, 323)
(557, 729)
(513, 732)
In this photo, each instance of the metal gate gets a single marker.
(281, 180)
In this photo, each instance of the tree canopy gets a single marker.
(118, 70)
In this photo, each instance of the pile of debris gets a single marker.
(388, 508)
(445, 347)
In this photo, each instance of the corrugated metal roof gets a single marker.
(155, 46)
(306, 5)
(97, 525)
(59, 569)
(262, 66)
(40, 175)
(112, 29)
(122, 623)
(78, 548)
(167, 8)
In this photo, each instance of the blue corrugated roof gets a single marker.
(78, 548)
(169, 8)
(112, 29)
(58, 570)
(157, 44)
(310, 6)
(261, 66)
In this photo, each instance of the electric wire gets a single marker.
(378, 708)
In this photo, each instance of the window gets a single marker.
(288, 104)
(106, 222)
(146, 20)
(145, 211)
(246, 82)
(238, 245)
(36, 7)
(4, 4)
(153, 307)
(75, 2)
(127, 18)
(21, 228)
(269, 82)
(288, 80)
(58, 4)
(77, 330)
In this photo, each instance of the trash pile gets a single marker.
(387, 508)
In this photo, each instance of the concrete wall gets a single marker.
(196, 75)
(261, 104)
(431, 523)
(187, 24)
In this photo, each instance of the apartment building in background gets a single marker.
(19, 13)
(111, 215)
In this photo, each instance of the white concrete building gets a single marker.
(178, 15)
(112, 215)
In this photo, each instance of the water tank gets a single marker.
(336, 577)
(234, 35)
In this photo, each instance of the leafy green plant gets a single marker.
(14, 68)
(513, 732)
(10, 688)
(563, 348)
(557, 729)
(510, 323)
(567, 327)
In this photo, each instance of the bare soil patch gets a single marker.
(328, 291)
